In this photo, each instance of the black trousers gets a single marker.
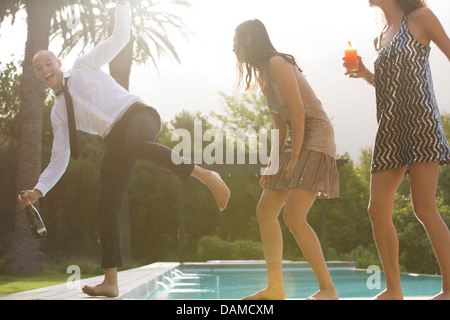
(131, 139)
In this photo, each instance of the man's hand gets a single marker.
(29, 197)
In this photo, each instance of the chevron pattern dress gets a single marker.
(409, 123)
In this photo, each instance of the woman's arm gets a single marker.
(426, 27)
(284, 74)
(282, 128)
(273, 165)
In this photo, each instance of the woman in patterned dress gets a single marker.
(410, 137)
(307, 165)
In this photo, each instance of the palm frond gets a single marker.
(9, 8)
(152, 28)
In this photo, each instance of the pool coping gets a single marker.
(134, 284)
(139, 283)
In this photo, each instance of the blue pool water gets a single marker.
(300, 283)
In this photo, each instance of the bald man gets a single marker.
(129, 128)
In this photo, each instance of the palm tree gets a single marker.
(24, 254)
(149, 36)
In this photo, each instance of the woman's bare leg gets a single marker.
(383, 187)
(424, 179)
(268, 210)
(298, 204)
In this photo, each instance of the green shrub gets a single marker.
(214, 248)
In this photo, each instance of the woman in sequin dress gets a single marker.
(307, 166)
(410, 136)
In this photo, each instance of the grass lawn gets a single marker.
(17, 283)
(12, 284)
(52, 274)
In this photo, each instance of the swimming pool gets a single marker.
(229, 282)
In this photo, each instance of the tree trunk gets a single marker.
(24, 255)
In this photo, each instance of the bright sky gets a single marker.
(315, 32)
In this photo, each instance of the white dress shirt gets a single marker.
(98, 100)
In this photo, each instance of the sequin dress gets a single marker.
(409, 123)
(316, 169)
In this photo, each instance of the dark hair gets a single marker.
(257, 52)
(410, 5)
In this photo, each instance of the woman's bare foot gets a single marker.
(102, 290)
(389, 295)
(324, 295)
(267, 294)
(215, 184)
(444, 295)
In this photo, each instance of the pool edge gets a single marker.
(144, 280)
(139, 283)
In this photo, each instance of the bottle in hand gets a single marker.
(35, 221)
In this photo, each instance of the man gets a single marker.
(128, 126)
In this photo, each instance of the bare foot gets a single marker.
(324, 295)
(267, 294)
(103, 289)
(389, 295)
(215, 184)
(444, 295)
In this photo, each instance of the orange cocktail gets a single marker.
(351, 58)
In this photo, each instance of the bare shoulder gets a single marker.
(425, 26)
(279, 66)
(278, 62)
(422, 16)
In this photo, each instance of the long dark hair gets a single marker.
(410, 5)
(257, 52)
